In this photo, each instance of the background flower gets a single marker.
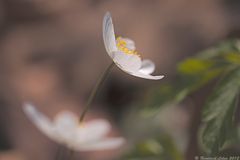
(65, 129)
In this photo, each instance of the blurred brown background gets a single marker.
(52, 52)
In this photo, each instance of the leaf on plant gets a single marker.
(218, 113)
(233, 57)
(194, 66)
(161, 147)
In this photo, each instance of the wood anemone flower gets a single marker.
(124, 54)
(65, 129)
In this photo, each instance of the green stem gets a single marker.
(91, 97)
(94, 91)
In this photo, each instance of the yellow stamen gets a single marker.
(122, 46)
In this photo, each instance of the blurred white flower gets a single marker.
(65, 129)
(124, 54)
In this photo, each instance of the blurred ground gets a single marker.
(52, 52)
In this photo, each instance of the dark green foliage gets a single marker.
(221, 64)
(218, 114)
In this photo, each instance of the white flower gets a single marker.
(65, 129)
(124, 54)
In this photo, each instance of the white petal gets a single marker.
(66, 120)
(40, 120)
(147, 76)
(147, 67)
(130, 43)
(109, 35)
(66, 125)
(108, 143)
(128, 63)
(93, 130)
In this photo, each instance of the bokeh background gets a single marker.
(52, 53)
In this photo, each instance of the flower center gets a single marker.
(122, 46)
(81, 125)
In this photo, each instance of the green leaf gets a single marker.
(218, 113)
(161, 147)
(194, 66)
(233, 57)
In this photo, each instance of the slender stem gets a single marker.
(94, 91)
(91, 97)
